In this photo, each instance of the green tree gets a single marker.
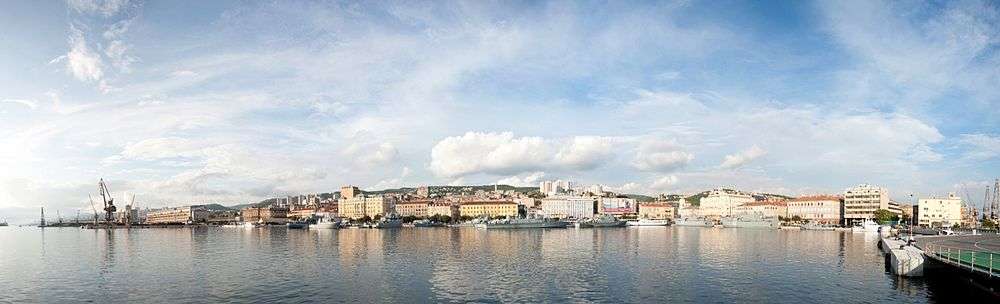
(796, 218)
(444, 219)
(465, 218)
(883, 216)
(378, 217)
(989, 224)
(366, 219)
(409, 219)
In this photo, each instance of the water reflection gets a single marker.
(635, 264)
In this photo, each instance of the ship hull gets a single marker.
(523, 225)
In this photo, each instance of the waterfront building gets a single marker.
(940, 212)
(301, 212)
(349, 192)
(272, 214)
(617, 206)
(656, 211)
(442, 208)
(412, 208)
(359, 206)
(488, 208)
(820, 209)
(860, 203)
(568, 206)
(177, 215)
(720, 202)
(763, 208)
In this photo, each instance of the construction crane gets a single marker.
(109, 202)
(93, 208)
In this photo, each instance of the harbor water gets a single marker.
(419, 265)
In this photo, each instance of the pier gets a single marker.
(975, 253)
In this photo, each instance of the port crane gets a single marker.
(109, 202)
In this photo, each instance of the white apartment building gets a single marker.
(860, 202)
(722, 202)
(568, 207)
(940, 212)
(763, 208)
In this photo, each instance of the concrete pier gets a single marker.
(903, 259)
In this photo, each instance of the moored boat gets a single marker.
(519, 223)
(751, 221)
(390, 221)
(601, 221)
(868, 226)
(693, 222)
(298, 225)
(649, 222)
(427, 223)
(326, 222)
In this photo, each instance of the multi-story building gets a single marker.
(488, 208)
(821, 209)
(442, 208)
(617, 206)
(349, 192)
(177, 215)
(656, 211)
(762, 208)
(862, 201)
(940, 212)
(721, 202)
(568, 206)
(412, 208)
(272, 214)
(359, 206)
(301, 212)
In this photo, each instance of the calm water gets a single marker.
(647, 264)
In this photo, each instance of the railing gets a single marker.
(977, 261)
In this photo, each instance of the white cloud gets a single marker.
(31, 104)
(980, 147)
(660, 157)
(83, 63)
(664, 183)
(528, 180)
(103, 7)
(160, 148)
(586, 152)
(503, 154)
(742, 158)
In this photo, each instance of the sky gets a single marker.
(184, 102)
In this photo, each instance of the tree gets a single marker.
(366, 219)
(989, 224)
(378, 217)
(445, 219)
(796, 218)
(883, 216)
(465, 218)
(409, 219)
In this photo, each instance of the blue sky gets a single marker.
(229, 101)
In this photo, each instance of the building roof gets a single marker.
(489, 203)
(816, 198)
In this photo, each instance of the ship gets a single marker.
(520, 223)
(693, 222)
(649, 222)
(326, 222)
(390, 221)
(600, 222)
(427, 223)
(751, 221)
(814, 226)
(4, 223)
(298, 225)
(868, 226)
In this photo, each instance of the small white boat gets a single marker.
(649, 222)
(867, 226)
